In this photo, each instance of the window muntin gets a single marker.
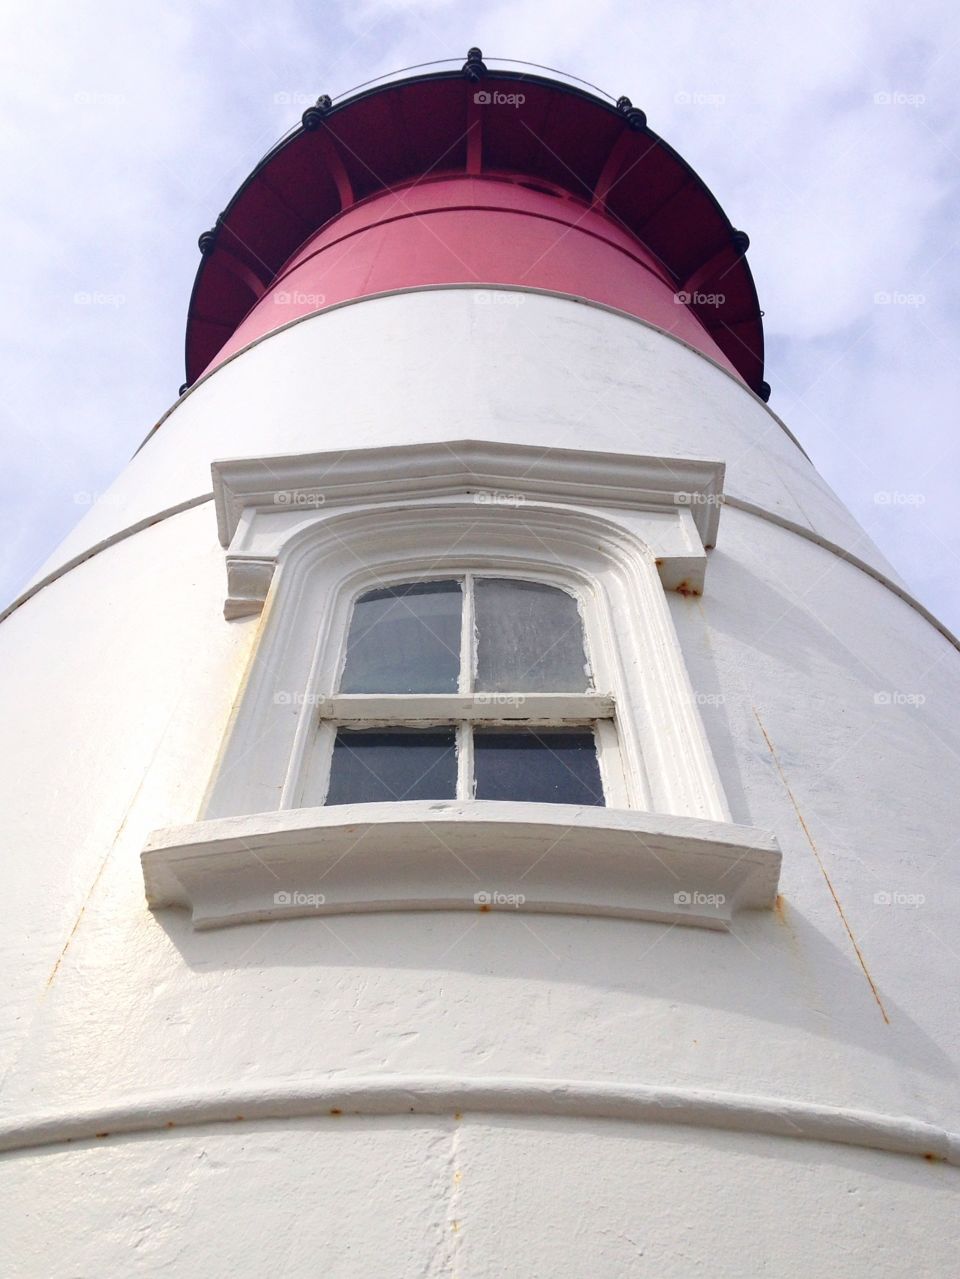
(524, 722)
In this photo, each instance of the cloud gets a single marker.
(126, 129)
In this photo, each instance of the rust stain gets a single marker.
(91, 890)
(686, 590)
(335, 1110)
(780, 906)
(823, 869)
(170, 1124)
(101, 1135)
(484, 907)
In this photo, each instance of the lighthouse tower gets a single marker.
(475, 802)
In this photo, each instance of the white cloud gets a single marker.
(126, 129)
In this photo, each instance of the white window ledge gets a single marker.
(462, 855)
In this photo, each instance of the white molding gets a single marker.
(390, 1096)
(262, 501)
(413, 472)
(605, 558)
(460, 855)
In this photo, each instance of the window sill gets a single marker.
(462, 855)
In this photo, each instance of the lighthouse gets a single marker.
(475, 802)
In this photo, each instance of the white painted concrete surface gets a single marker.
(831, 709)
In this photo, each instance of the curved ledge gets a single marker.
(396, 1095)
(462, 855)
(739, 504)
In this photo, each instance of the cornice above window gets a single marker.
(262, 503)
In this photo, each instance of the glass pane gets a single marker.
(405, 639)
(375, 765)
(549, 766)
(529, 638)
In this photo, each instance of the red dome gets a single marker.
(513, 180)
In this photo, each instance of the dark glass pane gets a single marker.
(529, 638)
(405, 639)
(375, 765)
(549, 766)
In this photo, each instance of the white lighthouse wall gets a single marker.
(829, 704)
(446, 364)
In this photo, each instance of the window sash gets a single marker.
(429, 708)
(609, 762)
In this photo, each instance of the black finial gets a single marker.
(763, 390)
(634, 117)
(474, 68)
(740, 241)
(207, 240)
(312, 118)
(184, 389)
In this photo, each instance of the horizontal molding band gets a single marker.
(396, 1095)
(120, 536)
(735, 503)
(761, 512)
(483, 288)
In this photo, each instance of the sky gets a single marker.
(828, 131)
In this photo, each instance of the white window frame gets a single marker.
(306, 534)
(308, 778)
(325, 557)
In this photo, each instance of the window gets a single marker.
(468, 687)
